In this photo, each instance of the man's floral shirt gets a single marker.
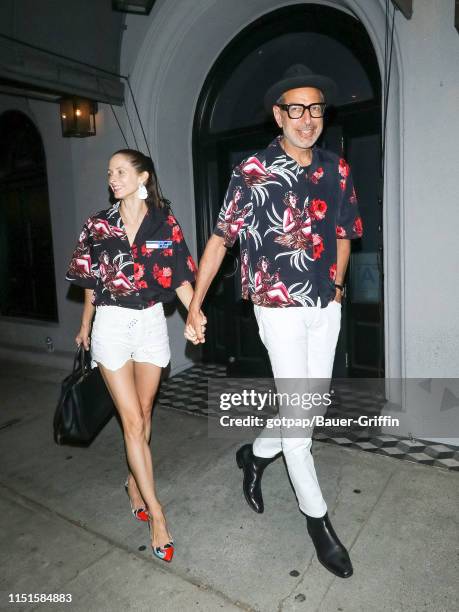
(288, 218)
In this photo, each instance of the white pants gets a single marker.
(301, 344)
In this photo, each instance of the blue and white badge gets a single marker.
(158, 244)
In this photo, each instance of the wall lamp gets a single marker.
(78, 117)
(140, 7)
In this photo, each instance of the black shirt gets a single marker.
(287, 218)
(136, 276)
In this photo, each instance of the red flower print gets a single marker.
(317, 175)
(141, 284)
(191, 265)
(317, 209)
(332, 272)
(171, 220)
(177, 235)
(134, 251)
(353, 197)
(317, 246)
(167, 252)
(343, 168)
(340, 232)
(358, 227)
(146, 252)
(162, 275)
(139, 271)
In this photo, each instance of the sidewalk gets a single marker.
(66, 526)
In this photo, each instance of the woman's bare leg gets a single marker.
(121, 385)
(147, 377)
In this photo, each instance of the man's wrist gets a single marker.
(194, 307)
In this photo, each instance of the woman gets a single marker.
(296, 224)
(131, 258)
(269, 289)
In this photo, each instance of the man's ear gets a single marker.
(277, 115)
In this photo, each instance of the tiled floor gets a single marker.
(188, 391)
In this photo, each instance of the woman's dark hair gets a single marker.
(142, 163)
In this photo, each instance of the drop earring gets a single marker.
(142, 192)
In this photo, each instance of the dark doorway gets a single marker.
(26, 247)
(230, 123)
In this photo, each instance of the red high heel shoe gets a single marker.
(166, 552)
(140, 514)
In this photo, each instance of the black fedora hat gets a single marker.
(296, 76)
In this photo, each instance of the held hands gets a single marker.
(195, 327)
(83, 337)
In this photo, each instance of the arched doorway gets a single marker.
(230, 123)
(26, 261)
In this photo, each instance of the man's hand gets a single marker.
(195, 327)
(338, 295)
(208, 267)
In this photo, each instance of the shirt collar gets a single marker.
(274, 150)
(153, 220)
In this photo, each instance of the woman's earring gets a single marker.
(142, 192)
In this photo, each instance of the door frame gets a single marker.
(206, 144)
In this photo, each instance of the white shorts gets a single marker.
(119, 334)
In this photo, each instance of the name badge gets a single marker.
(158, 244)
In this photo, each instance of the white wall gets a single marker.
(430, 51)
(76, 170)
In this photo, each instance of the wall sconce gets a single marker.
(140, 7)
(78, 117)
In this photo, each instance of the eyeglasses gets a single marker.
(296, 111)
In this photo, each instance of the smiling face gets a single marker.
(123, 178)
(299, 134)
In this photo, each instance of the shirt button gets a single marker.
(137, 294)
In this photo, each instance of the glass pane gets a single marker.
(240, 102)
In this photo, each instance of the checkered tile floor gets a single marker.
(188, 391)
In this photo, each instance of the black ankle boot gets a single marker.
(330, 552)
(253, 469)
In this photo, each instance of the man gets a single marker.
(301, 213)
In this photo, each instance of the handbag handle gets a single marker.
(81, 361)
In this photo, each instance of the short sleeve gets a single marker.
(234, 211)
(81, 270)
(348, 223)
(184, 268)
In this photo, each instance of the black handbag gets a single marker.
(85, 405)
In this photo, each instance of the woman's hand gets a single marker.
(83, 336)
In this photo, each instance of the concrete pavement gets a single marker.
(66, 526)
